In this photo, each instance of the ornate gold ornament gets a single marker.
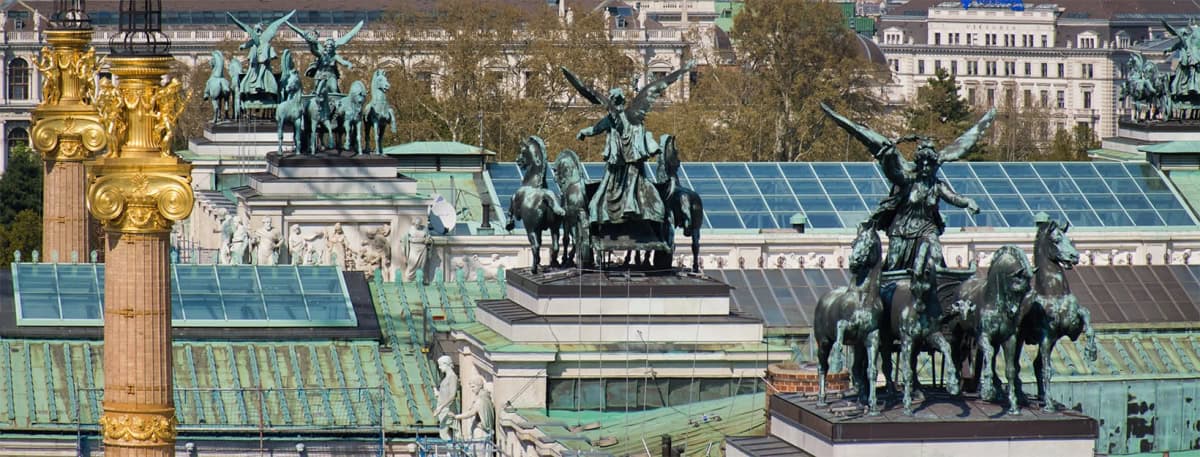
(69, 137)
(66, 127)
(169, 103)
(112, 115)
(48, 66)
(138, 429)
(135, 200)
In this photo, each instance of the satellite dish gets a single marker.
(442, 216)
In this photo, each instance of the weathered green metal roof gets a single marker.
(1187, 182)
(436, 147)
(1172, 147)
(1115, 155)
(739, 415)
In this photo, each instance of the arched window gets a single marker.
(18, 79)
(18, 136)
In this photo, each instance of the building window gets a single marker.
(1061, 70)
(937, 65)
(1087, 42)
(972, 67)
(895, 64)
(937, 38)
(1086, 70)
(991, 97)
(1062, 99)
(1028, 102)
(971, 96)
(1008, 96)
(1045, 69)
(920, 67)
(1010, 68)
(18, 137)
(726, 13)
(18, 79)
(1045, 41)
(954, 67)
(990, 68)
(1087, 99)
(1028, 69)
(1045, 98)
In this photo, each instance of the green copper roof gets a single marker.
(1187, 182)
(436, 147)
(1173, 147)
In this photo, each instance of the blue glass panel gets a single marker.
(594, 171)
(80, 306)
(708, 187)
(732, 170)
(847, 203)
(839, 187)
(1019, 170)
(176, 307)
(237, 280)
(1173, 217)
(852, 218)
(285, 307)
(37, 278)
(988, 170)
(1145, 218)
(998, 186)
(779, 203)
(1030, 186)
(1164, 201)
(873, 199)
(39, 305)
(1056, 215)
(724, 220)
(1060, 185)
(1038, 202)
(1081, 170)
(957, 219)
(1050, 170)
(824, 220)
(244, 307)
(967, 186)
(744, 204)
(762, 171)
(327, 308)
(1153, 185)
(829, 170)
(504, 171)
(76, 279)
(812, 203)
(806, 187)
(783, 220)
(1123, 186)
(796, 170)
(990, 219)
(862, 170)
(1092, 186)
(1083, 218)
(758, 220)
(200, 279)
(1103, 202)
(717, 203)
(1114, 218)
(1072, 202)
(1134, 202)
(279, 280)
(1110, 169)
(1018, 218)
(868, 186)
(202, 306)
(1142, 169)
(326, 280)
(956, 170)
(773, 186)
(699, 170)
(1009, 203)
(744, 186)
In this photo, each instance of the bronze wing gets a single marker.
(269, 32)
(869, 138)
(637, 110)
(963, 144)
(588, 93)
(249, 30)
(345, 38)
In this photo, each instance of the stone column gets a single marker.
(66, 131)
(138, 191)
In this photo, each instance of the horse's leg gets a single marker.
(1043, 361)
(987, 389)
(858, 372)
(1090, 350)
(1012, 357)
(907, 372)
(822, 370)
(953, 385)
(872, 344)
(535, 241)
(696, 249)
(554, 228)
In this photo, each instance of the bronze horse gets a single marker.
(534, 203)
(684, 207)
(1052, 311)
(852, 315)
(568, 173)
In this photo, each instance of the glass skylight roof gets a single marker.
(833, 195)
(202, 295)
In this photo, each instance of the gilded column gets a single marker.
(66, 131)
(137, 192)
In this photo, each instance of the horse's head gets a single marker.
(567, 169)
(379, 82)
(532, 161)
(867, 250)
(668, 162)
(1053, 245)
(218, 61)
(292, 83)
(358, 93)
(1009, 277)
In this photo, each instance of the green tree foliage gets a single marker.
(938, 111)
(20, 204)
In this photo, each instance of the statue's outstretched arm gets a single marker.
(957, 199)
(603, 125)
(963, 144)
(343, 61)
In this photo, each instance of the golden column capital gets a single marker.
(139, 114)
(66, 127)
(133, 196)
(137, 426)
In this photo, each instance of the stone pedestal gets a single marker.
(942, 425)
(138, 191)
(66, 131)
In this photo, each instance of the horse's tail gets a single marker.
(836, 358)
